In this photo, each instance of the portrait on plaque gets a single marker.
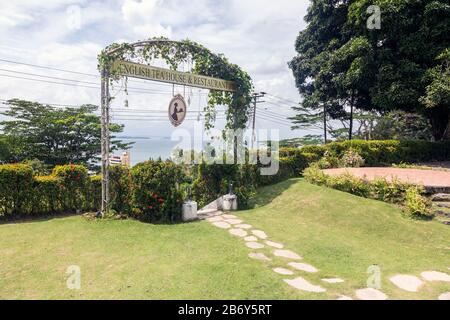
(177, 110)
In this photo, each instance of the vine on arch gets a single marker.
(206, 63)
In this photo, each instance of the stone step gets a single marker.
(442, 204)
(444, 197)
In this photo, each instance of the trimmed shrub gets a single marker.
(74, 183)
(121, 189)
(47, 195)
(156, 193)
(16, 184)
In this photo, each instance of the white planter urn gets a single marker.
(189, 212)
(230, 202)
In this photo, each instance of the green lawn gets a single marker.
(340, 234)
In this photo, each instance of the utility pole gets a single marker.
(105, 139)
(256, 96)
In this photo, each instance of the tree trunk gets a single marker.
(350, 130)
(440, 123)
(325, 124)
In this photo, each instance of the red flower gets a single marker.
(161, 200)
(150, 207)
(155, 196)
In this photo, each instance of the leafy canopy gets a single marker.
(55, 136)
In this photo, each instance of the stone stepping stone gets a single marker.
(435, 276)
(287, 254)
(238, 232)
(333, 280)
(274, 244)
(303, 267)
(254, 245)
(233, 221)
(304, 285)
(229, 216)
(259, 256)
(222, 225)
(407, 282)
(444, 296)
(441, 197)
(283, 271)
(370, 294)
(344, 298)
(251, 239)
(215, 219)
(244, 226)
(260, 234)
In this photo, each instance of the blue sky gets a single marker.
(259, 35)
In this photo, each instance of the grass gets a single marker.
(343, 235)
(340, 234)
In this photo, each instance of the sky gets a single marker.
(258, 35)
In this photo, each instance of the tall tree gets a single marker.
(343, 63)
(54, 135)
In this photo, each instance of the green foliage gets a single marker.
(56, 136)
(407, 195)
(213, 181)
(74, 183)
(121, 188)
(156, 193)
(205, 63)
(342, 65)
(385, 152)
(15, 181)
(351, 159)
(400, 125)
(417, 206)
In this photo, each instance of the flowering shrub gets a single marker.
(73, 185)
(351, 159)
(157, 196)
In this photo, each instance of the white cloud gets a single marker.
(259, 35)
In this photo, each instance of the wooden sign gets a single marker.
(136, 70)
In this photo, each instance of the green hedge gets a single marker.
(408, 196)
(68, 189)
(376, 153)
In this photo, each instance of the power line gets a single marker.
(70, 71)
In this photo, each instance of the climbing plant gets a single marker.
(204, 62)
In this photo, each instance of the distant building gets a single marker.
(124, 159)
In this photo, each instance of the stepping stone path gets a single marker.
(233, 221)
(274, 244)
(238, 232)
(287, 254)
(407, 283)
(238, 228)
(283, 271)
(333, 280)
(435, 276)
(370, 294)
(304, 285)
(260, 234)
(303, 267)
(215, 219)
(259, 256)
(254, 245)
(229, 216)
(444, 296)
(222, 225)
(244, 226)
